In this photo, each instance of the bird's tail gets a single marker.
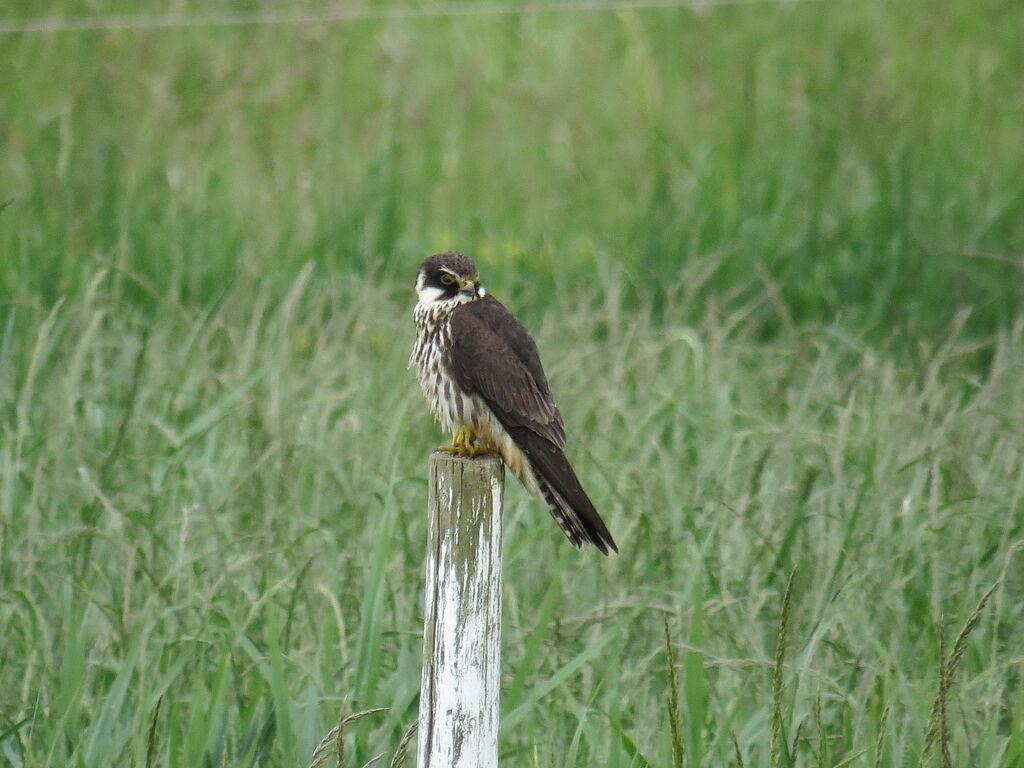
(561, 489)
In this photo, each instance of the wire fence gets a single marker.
(340, 14)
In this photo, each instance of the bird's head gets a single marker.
(448, 277)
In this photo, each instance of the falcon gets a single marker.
(482, 377)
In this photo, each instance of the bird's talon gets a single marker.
(463, 444)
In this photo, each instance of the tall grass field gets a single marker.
(773, 257)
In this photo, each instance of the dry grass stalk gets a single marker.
(336, 738)
(937, 728)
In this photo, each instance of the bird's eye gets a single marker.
(447, 279)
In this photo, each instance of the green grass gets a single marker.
(771, 256)
(861, 158)
(251, 548)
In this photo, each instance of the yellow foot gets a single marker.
(463, 444)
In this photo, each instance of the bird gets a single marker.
(481, 374)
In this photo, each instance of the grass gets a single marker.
(853, 158)
(255, 550)
(772, 258)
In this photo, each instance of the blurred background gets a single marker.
(772, 253)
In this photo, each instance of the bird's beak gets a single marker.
(468, 288)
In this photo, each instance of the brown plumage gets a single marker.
(479, 368)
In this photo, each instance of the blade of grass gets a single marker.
(511, 721)
(151, 737)
(109, 732)
(674, 716)
(279, 686)
(628, 744)
(880, 742)
(694, 681)
(534, 642)
(778, 748)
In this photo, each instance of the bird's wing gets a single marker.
(493, 355)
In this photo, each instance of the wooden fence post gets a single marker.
(462, 624)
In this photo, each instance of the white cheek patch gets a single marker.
(427, 294)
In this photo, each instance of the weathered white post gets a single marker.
(462, 626)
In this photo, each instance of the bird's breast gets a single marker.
(431, 359)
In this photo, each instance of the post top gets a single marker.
(485, 458)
